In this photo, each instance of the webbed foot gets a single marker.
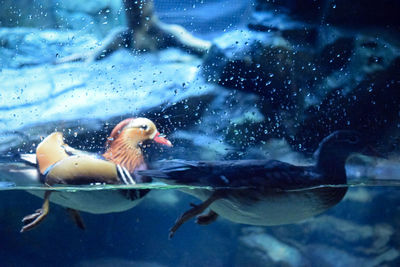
(36, 218)
(33, 220)
(195, 210)
(208, 218)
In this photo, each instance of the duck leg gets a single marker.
(34, 219)
(77, 218)
(195, 210)
(208, 218)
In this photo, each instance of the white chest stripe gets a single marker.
(121, 174)
(128, 175)
(124, 175)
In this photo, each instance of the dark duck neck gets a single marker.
(333, 152)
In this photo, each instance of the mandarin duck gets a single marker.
(263, 192)
(57, 163)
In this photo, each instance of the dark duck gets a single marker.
(263, 192)
(57, 163)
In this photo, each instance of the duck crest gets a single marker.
(117, 130)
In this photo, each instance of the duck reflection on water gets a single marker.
(264, 192)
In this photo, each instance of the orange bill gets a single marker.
(162, 140)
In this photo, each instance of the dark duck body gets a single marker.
(264, 192)
(57, 163)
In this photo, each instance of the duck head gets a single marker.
(123, 144)
(334, 149)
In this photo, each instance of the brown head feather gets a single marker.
(119, 149)
(123, 145)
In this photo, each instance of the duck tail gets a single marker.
(171, 171)
(18, 169)
(157, 174)
(19, 158)
(19, 173)
(29, 158)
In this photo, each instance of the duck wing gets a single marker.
(74, 170)
(52, 150)
(234, 173)
(79, 170)
(59, 163)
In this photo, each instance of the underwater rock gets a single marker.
(335, 54)
(342, 231)
(361, 13)
(96, 17)
(38, 96)
(264, 64)
(91, 7)
(357, 13)
(22, 47)
(333, 256)
(206, 147)
(366, 240)
(277, 149)
(27, 13)
(238, 121)
(375, 95)
(111, 262)
(270, 250)
(301, 73)
(308, 9)
(85, 100)
(300, 33)
(337, 243)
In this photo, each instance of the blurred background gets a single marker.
(276, 78)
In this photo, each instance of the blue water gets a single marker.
(139, 237)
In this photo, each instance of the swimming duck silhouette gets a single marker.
(57, 163)
(263, 192)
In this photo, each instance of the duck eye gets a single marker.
(144, 127)
(352, 139)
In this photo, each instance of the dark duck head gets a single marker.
(333, 152)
